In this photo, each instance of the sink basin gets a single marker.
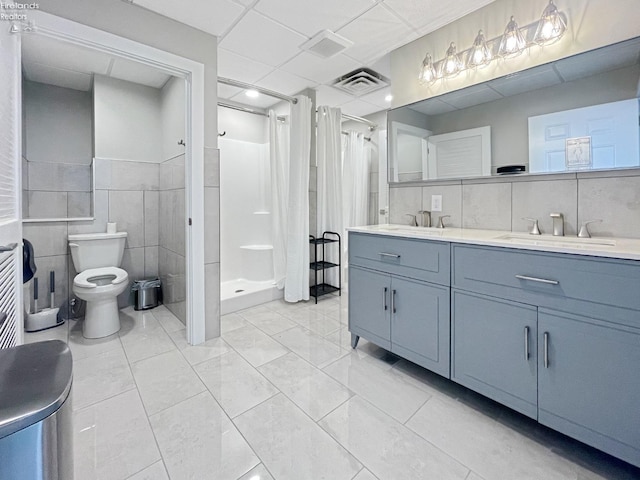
(422, 231)
(550, 240)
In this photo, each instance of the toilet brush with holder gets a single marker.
(47, 317)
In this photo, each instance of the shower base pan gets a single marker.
(240, 294)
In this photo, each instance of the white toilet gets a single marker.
(97, 257)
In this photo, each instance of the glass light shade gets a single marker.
(451, 65)
(427, 73)
(512, 43)
(479, 53)
(551, 25)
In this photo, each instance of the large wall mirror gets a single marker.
(578, 113)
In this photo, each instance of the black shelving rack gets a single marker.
(323, 288)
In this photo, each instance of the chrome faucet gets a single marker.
(441, 220)
(558, 224)
(413, 222)
(584, 229)
(426, 218)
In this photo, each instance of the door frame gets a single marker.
(193, 74)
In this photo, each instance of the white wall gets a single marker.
(243, 126)
(127, 120)
(57, 124)
(173, 117)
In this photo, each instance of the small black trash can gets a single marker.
(147, 293)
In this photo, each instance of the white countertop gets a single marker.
(623, 248)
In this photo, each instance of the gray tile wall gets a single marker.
(126, 193)
(501, 203)
(212, 241)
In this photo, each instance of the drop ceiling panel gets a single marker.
(37, 72)
(471, 96)
(276, 44)
(378, 98)
(212, 16)
(376, 32)
(326, 95)
(358, 108)
(237, 67)
(433, 106)
(382, 65)
(263, 101)
(327, 14)
(284, 82)
(320, 70)
(598, 61)
(138, 73)
(59, 54)
(227, 91)
(532, 79)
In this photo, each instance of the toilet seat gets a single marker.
(82, 279)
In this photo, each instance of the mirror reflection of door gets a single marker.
(409, 152)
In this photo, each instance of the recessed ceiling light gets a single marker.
(388, 98)
(252, 93)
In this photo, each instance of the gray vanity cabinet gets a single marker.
(589, 381)
(391, 304)
(494, 349)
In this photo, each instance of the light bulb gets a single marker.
(512, 42)
(479, 55)
(427, 73)
(551, 25)
(452, 64)
(252, 93)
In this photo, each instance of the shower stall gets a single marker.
(246, 245)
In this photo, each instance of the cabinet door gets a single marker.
(420, 325)
(589, 386)
(494, 349)
(369, 305)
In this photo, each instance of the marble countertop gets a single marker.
(609, 247)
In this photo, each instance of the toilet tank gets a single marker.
(97, 250)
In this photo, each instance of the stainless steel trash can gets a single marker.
(146, 293)
(36, 438)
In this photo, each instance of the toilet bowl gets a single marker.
(97, 257)
(99, 287)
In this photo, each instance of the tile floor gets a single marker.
(281, 395)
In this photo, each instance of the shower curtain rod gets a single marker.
(368, 139)
(246, 110)
(372, 126)
(248, 86)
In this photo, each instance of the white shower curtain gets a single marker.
(296, 286)
(329, 197)
(356, 166)
(279, 160)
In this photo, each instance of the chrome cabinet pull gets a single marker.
(384, 299)
(8, 248)
(536, 279)
(526, 343)
(393, 255)
(546, 349)
(393, 301)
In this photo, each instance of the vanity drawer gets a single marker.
(550, 279)
(420, 259)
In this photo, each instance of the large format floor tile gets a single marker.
(393, 392)
(99, 377)
(488, 447)
(291, 445)
(154, 472)
(314, 320)
(258, 473)
(254, 345)
(165, 380)
(234, 383)
(270, 322)
(168, 320)
(113, 439)
(199, 353)
(387, 448)
(310, 346)
(141, 343)
(307, 386)
(88, 347)
(197, 441)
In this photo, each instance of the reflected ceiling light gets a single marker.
(512, 43)
(388, 98)
(451, 65)
(252, 93)
(479, 54)
(551, 26)
(427, 73)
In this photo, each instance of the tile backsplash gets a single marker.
(501, 203)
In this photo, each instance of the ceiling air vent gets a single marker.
(326, 44)
(361, 81)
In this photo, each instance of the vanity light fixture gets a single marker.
(451, 66)
(479, 54)
(512, 43)
(427, 73)
(551, 25)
